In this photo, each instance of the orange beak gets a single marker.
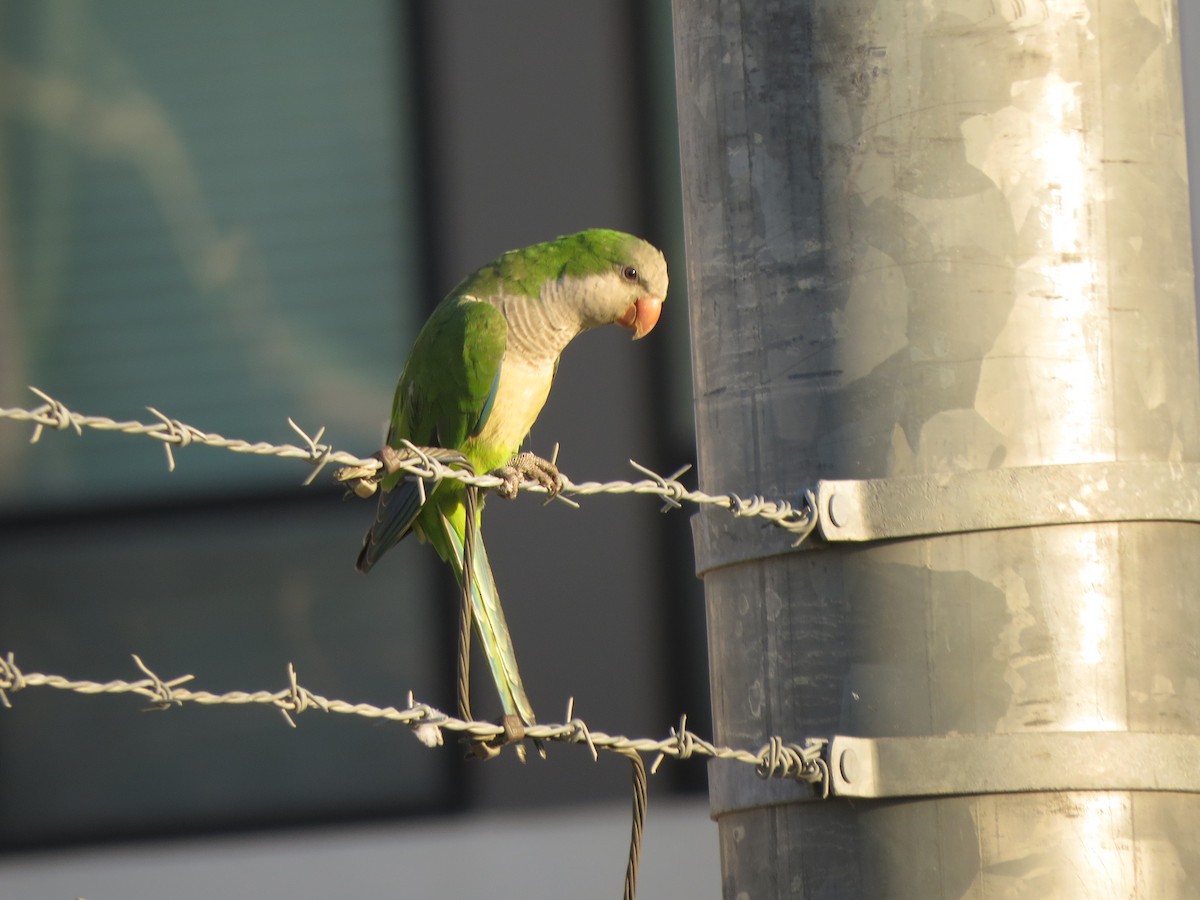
(642, 316)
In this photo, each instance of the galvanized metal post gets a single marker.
(940, 253)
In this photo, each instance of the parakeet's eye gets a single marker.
(629, 273)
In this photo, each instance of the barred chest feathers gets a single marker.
(521, 394)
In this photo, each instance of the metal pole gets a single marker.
(940, 253)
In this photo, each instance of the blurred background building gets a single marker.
(240, 212)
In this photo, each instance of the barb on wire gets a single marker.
(775, 759)
(422, 463)
(54, 414)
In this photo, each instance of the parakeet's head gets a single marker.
(627, 280)
(576, 282)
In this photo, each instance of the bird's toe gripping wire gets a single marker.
(531, 468)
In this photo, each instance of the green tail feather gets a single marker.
(490, 626)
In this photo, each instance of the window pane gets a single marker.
(203, 208)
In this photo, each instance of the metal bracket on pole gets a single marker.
(889, 767)
(988, 499)
(910, 506)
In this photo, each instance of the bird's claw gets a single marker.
(527, 467)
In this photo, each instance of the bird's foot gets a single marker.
(528, 467)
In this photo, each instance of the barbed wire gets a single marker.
(425, 463)
(777, 758)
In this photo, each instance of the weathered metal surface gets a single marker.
(925, 240)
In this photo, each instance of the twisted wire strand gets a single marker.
(465, 613)
(425, 463)
(641, 799)
(775, 759)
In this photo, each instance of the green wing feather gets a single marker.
(449, 381)
(443, 398)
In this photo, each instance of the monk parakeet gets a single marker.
(476, 379)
